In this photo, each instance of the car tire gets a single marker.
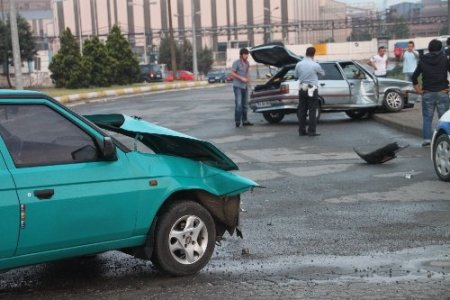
(357, 114)
(441, 157)
(184, 227)
(273, 117)
(393, 101)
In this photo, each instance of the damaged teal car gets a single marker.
(73, 185)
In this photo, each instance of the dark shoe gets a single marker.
(238, 124)
(302, 133)
(313, 134)
(426, 144)
(247, 123)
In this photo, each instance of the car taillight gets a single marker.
(284, 89)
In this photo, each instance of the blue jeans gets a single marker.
(431, 101)
(241, 104)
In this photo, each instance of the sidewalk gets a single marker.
(130, 91)
(408, 120)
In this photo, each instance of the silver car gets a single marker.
(346, 86)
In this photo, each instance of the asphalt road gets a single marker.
(325, 225)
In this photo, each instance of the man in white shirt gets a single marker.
(410, 58)
(379, 62)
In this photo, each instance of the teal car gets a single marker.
(74, 185)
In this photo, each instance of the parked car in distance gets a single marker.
(151, 73)
(180, 75)
(218, 76)
(399, 48)
(347, 86)
(440, 148)
(73, 186)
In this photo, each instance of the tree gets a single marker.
(400, 29)
(67, 67)
(26, 42)
(125, 64)
(359, 35)
(98, 62)
(165, 56)
(186, 56)
(205, 60)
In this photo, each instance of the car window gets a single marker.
(38, 135)
(331, 72)
(351, 71)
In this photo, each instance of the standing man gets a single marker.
(410, 58)
(379, 62)
(306, 71)
(434, 67)
(447, 49)
(240, 72)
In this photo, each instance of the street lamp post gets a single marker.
(172, 41)
(270, 20)
(130, 3)
(194, 43)
(79, 27)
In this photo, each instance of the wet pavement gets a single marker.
(325, 225)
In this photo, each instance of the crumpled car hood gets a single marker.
(163, 140)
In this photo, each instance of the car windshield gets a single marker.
(215, 73)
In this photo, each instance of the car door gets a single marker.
(9, 210)
(69, 195)
(333, 88)
(362, 86)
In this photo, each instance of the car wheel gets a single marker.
(393, 101)
(356, 114)
(184, 238)
(273, 117)
(441, 157)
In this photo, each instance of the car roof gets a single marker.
(9, 92)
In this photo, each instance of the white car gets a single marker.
(347, 86)
(440, 148)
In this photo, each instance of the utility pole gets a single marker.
(15, 45)
(448, 17)
(194, 42)
(173, 54)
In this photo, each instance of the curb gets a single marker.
(399, 126)
(129, 91)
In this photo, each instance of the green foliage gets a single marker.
(124, 63)
(359, 35)
(400, 30)
(164, 52)
(185, 60)
(67, 67)
(327, 40)
(205, 60)
(98, 62)
(26, 41)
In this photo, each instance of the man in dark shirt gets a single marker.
(434, 67)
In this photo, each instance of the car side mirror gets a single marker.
(109, 149)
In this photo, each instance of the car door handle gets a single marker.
(44, 194)
(322, 84)
(352, 84)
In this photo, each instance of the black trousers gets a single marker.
(307, 106)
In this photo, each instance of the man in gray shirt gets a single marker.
(306, 71)
(240, 72)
